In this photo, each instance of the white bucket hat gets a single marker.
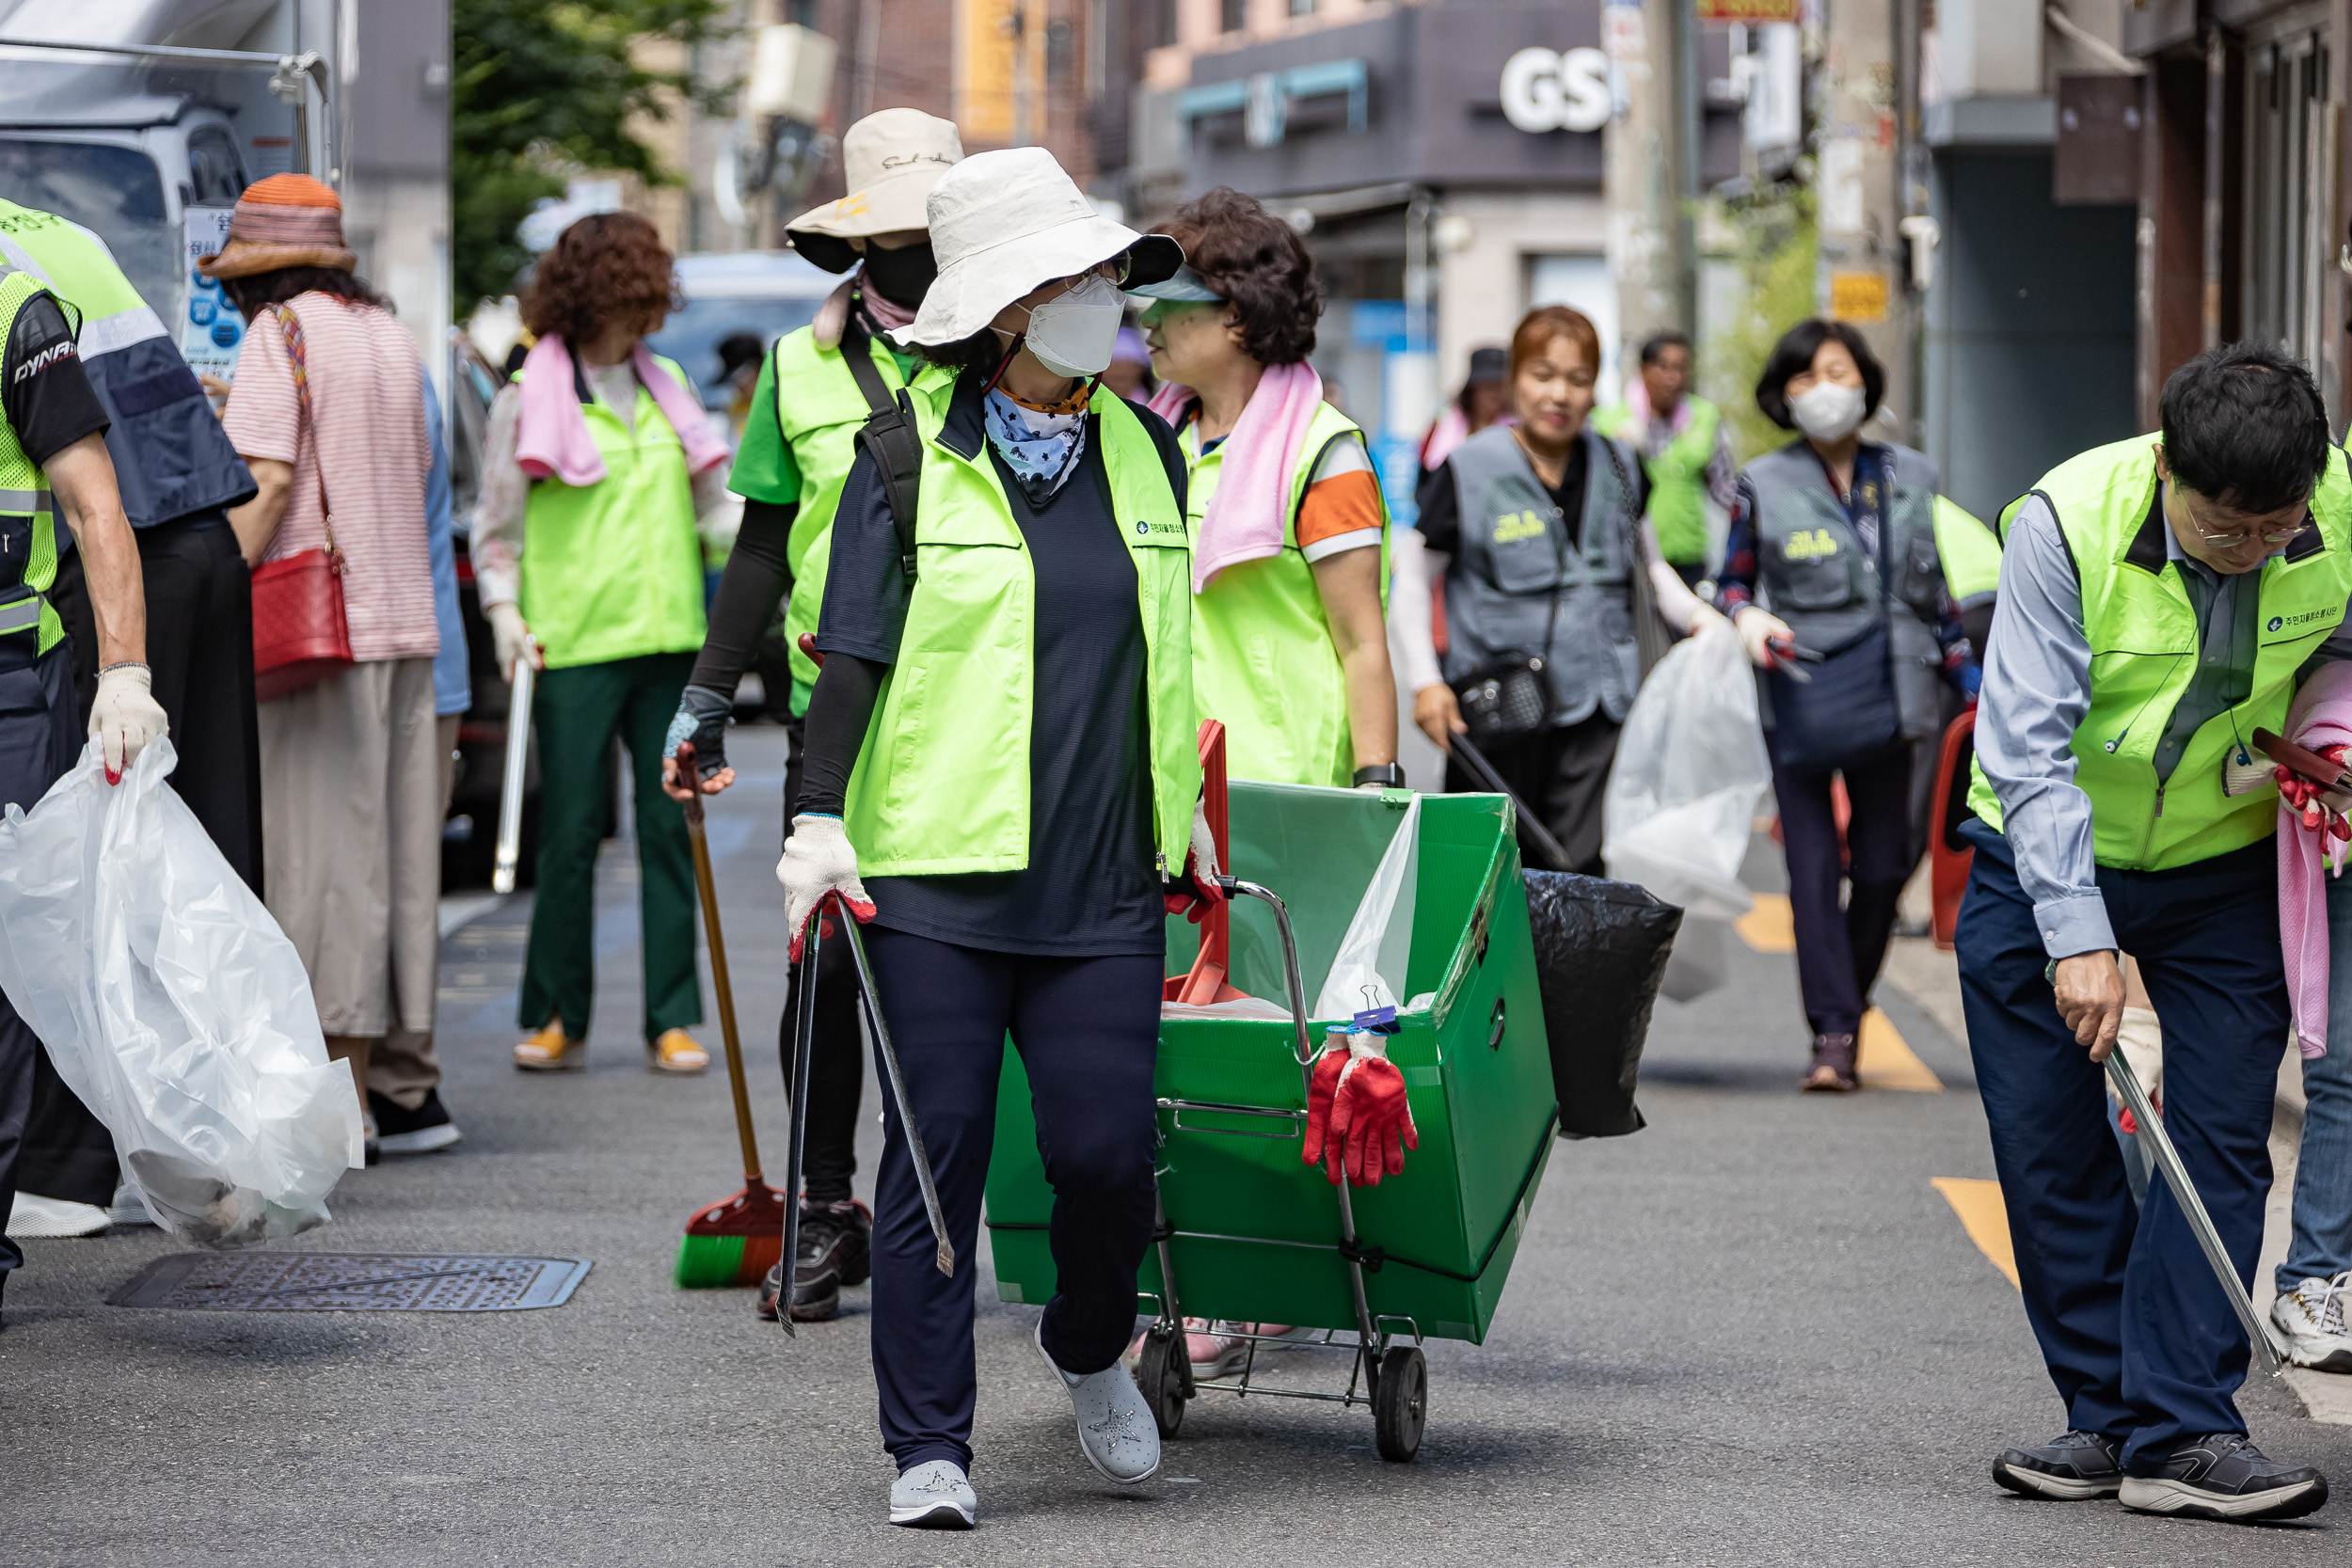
(1002, 223)
(891, 160)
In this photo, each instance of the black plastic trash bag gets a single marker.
(1600, 947)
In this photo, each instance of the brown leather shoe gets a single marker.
(1833, 1070)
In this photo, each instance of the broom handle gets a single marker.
(708, 886)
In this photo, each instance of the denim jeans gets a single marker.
(2322, 1244)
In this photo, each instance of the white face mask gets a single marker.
(1073, 333)
(1828, 412)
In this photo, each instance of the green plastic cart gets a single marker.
(1249, 1232)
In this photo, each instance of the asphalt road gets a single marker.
(1752, 1334)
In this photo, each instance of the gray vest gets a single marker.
(1515, 558)
(1814, 574)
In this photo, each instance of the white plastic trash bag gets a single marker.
(1369, 971)
(1691, 769)
(172, 1004)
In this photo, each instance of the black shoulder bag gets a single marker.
(890, 437)
(1843, 710)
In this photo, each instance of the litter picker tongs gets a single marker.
(833, 908)
(510, 839)
(2158, 1144)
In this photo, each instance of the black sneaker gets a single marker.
(836, 1249)
(2223, 1476)
(2071, 1468)
(418, 1132)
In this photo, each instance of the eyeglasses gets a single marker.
(2233, 541)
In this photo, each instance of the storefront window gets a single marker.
(2287, 245)
(1233, 15)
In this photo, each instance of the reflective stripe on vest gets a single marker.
(819, 407)
(614, 570)
(1499, 592)
(1677, 478)
(25, 494)
(943, 783)
(1262, 659)
(2142, 632)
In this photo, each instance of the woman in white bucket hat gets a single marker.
(811, 398)
(1002, 738)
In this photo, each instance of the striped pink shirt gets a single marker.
(367, 397)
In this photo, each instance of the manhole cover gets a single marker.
(350, 1282)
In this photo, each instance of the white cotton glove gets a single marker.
(1757, 628)
(817, 860)
(510, 637)
(125, 716)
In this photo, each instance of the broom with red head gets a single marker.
(737, 1239)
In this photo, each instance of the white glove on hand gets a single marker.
(125, 717)
(817, 860)
(1702, 617)
(1757, 628)
(510, 637)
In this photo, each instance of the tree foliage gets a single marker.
(1777, 254)
(544, 89)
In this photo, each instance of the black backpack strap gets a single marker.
(890, 438)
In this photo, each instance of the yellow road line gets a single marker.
(1979, 1205)
(1886, 1061)
(1769, 928)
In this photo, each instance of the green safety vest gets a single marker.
(819, 409)
(25, 498)
(1262, 661)
(941, 785)
(2142, 630)
(614, 570)
(1677, 476)
(1971, 553)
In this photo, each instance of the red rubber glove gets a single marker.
(1201, 865)
(1369, 1113)
(2310, 799)
(1321, 1146)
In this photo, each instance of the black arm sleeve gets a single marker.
(1439, 507)
(839, 710)
(757, 577)
(45, 393)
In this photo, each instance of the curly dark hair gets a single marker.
(606, 267)
(1256, 262)
(256, 291)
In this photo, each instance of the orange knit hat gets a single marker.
(287, 220)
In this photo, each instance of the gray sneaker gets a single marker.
(936, 1495)
(2223, 1476)
(2313, 1317)
(1116, 1430)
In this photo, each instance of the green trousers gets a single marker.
(577, 712)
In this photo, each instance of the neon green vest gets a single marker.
(941, 785)
(25, 498)
(1263, 663)
(1971, 553)
(2143, 649)
(614, 570)
(819, 408)
(1677, 478)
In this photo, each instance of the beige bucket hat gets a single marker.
(1001, 224)
(891, 159)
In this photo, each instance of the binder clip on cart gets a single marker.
(1428, 890)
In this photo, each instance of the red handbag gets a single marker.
(301, 634)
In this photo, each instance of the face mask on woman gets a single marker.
(1073, 333)
(903, 275)
(1828, 412)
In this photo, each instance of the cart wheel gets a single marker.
(1400, 1406)
(1160, 1374)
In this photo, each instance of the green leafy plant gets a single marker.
(1774, 249)
(544, 89)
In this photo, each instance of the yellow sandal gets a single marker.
(550, 1050)
(675, 1053)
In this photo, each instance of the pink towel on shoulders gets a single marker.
(1243, 519)
(551, 440)
(2321, 716)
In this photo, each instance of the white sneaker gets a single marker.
(936, 1495)
(2314, 1317)
(56, 1217)
(1116, 1430)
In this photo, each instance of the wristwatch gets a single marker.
(1387, 773)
